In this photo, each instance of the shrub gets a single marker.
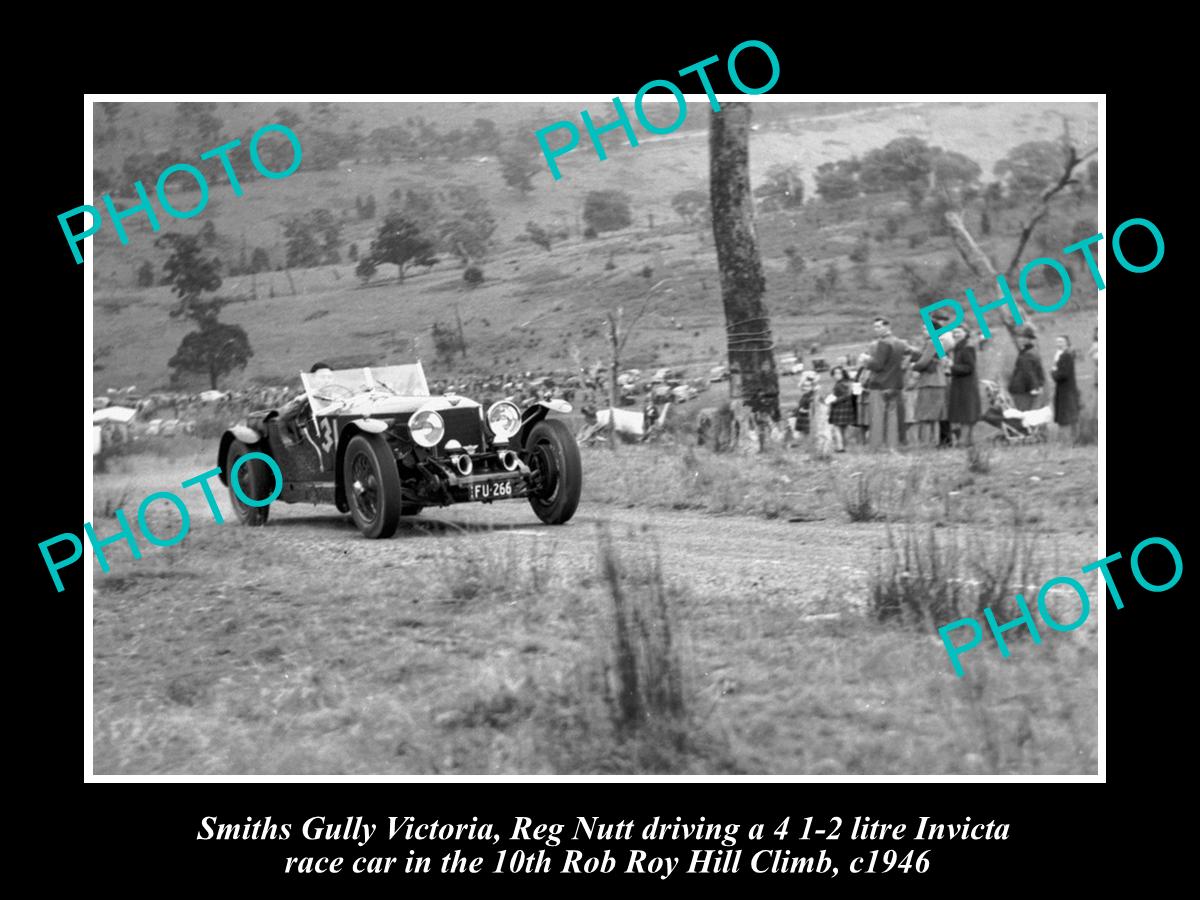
(921, 581)
(861, 498)
(473, 275)
(979, 460)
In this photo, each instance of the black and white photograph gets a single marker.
(520, 436)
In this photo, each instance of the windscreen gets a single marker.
(331, 390)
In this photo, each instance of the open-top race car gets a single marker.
(374, 443)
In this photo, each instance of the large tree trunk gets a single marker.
(747, 324)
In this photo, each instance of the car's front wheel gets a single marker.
(554, 460)
(372, 483)
(255, 481)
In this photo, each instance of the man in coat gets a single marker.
(886, 406)
(1028, 376)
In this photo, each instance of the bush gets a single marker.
(473, 275)
(861, 498)
(979, 460)
(921, 581)
(607, 210)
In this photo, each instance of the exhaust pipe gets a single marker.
(463, 463)
(509, 460)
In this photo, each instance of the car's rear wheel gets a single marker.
(255, 480)
(372, 484)
(554, 459)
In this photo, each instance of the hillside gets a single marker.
(535, 306)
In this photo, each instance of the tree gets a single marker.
(1030, 168)
(957, 174)
(259, 261)
(747, 323)
(208, 233)
(447, 340)
(896, 165)
(401, 243)
(783, 189)
(838, 180)
(466, 230)
(862, 249)
(691, 206)
(539, 235)
(352, 253)
(145, 275)
(327, 227)
(200, 119)
(190, 274)
(215, 349)
(365, 269)
(303, 248)
(519, 162)
(607, 210)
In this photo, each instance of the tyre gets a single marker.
(372, 485)
(553, 456)
(256, 482)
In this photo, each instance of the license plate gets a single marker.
(490, 490)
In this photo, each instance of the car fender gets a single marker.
(240, 432)
(535, 412)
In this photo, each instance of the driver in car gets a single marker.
(293, 411)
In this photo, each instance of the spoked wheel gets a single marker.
(255, 481)
(558, 471)
(372, 484)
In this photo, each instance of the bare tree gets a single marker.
(1071, 159)
(618, 335)
(747, 324)
(978, 261)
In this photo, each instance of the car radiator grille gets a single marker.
(464, 426)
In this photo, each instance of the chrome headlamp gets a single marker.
(504, 419)
(426, 427)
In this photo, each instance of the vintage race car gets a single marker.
(374, 443)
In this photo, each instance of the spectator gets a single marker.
(886, 364)
(931, 390)
(841, 406)
(1028, 377)
(804, 409)
(1066, 392)
(963, 396)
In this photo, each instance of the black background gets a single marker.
(143, 835)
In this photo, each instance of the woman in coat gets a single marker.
(931, 395)
(963, 396)
(1066, 392)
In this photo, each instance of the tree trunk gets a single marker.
(614, 391)
(747, 324)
